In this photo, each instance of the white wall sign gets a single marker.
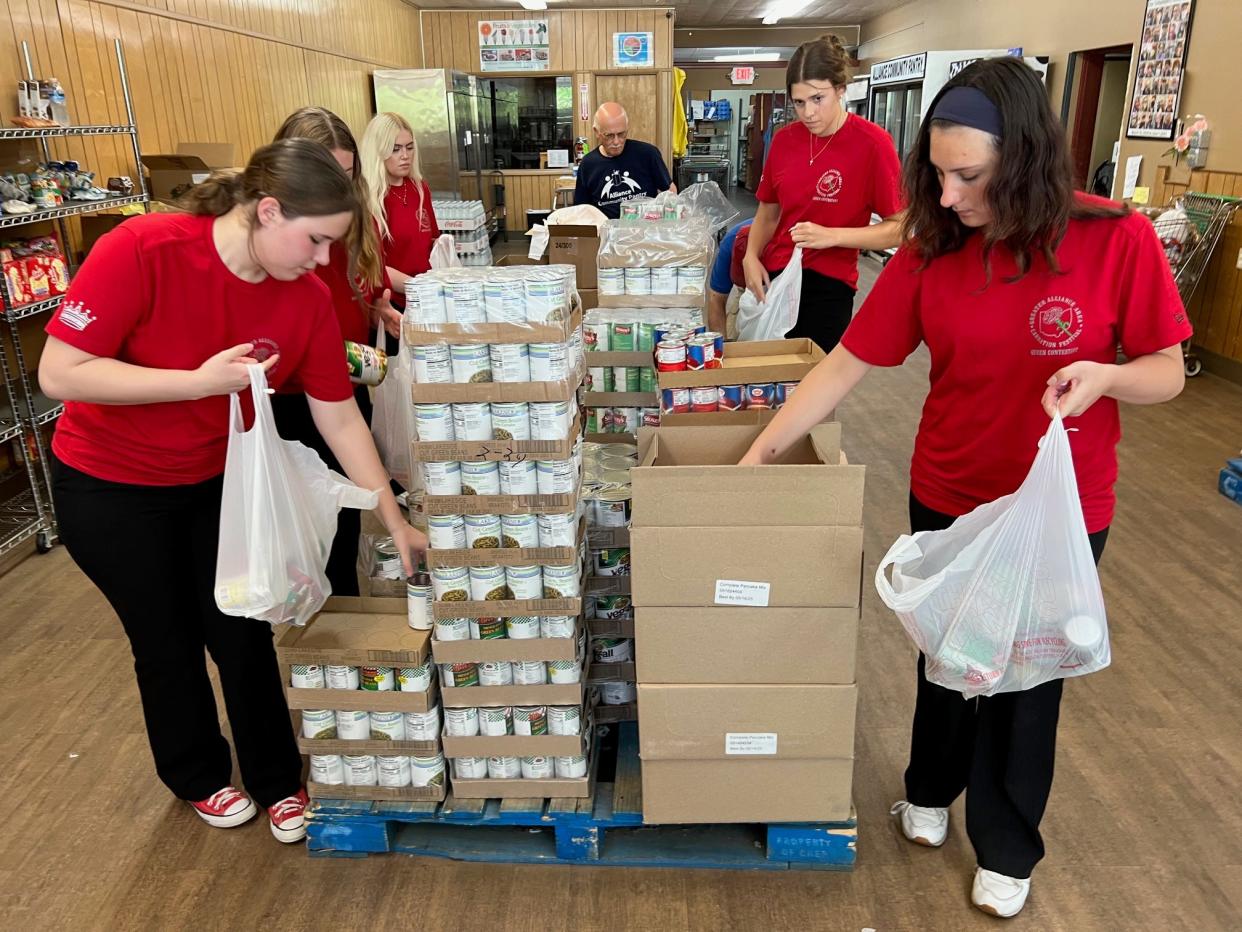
(513, 45)
(899, 70)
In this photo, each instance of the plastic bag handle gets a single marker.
(905, 548)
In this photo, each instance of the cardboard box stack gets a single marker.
(362, 692)
(497, 362)
(577, 245)
(170, 175)
(746, 586)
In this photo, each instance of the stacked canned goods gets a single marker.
(648, 281)
(625, 330)
(606, 488)
(740, 397)
(474, 363)
(516, 420)
(541, 294)
(378, 770)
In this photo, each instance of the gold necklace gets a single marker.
(401, 193)
(811, 142)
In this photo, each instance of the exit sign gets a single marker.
(743, 74)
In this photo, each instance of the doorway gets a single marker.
(1093, 109)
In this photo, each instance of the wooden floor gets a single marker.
(1144, 830)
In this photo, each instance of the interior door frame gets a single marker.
(1083, 79)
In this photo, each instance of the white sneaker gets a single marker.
(999, 895)
(921, 824)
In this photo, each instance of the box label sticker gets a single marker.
(746, 742)
(740, 592)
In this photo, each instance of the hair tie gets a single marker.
(969, 106)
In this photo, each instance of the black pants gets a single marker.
(152, 553)
(999, 749)
(294, 422)
(825, 310)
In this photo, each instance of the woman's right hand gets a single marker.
(757, 279)
(225, 372)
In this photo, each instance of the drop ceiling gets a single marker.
(705, 13)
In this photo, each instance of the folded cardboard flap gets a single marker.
(694, 791)
(725, 444)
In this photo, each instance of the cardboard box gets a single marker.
(655, 300)
(590, 298)
(612, 673)
(785, 645)
(501, 504)
(171, 175)
(576, 245)
(458, 697)
(462, 451)
(510, 649)
(607, 585)
(596, 358)
(453, 393)
(385, 793)
(356, 632)
(515, 745)
(626, 712)
(96, 225)
(519, 259)
(755, 417)
(557, 332)
(611, 628)
(605, 538)
(348, 700)
(694, 791)
(524, 789)
(507, 609)
(620, 399)
(752, 362)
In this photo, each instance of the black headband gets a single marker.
(969, 106)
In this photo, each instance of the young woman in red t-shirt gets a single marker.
(154, 334)
(824, 177)
(1023, 292)
(400, 199)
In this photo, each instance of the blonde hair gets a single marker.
(377, 142)
(329, 130)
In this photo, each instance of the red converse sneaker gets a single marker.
(289, 817)
(226, 808)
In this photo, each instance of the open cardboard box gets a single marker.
(577, 245)
(170, 175)
(748, 363)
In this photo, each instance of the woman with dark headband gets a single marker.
(1023, 291)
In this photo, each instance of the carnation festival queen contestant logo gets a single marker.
(1056, 323)
(829, 186)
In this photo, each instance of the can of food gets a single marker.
(529, 673)
(428, 299)
(524, 582)
(481, 477)
(432, 364)
(700, 352)
(487, 584)
(487, 629)
(504, 297)
(472, 363)
(537, 768)
(450, 583)
(367, 364)
(718, 341)
(423, 726)
(415, 679)
(618, 452)
(675, 400)
(638, 281)
(630, 211)
(393, 770)
(671, 356)
(496, 722)
(614, 607)
(530, 720)
(446, 532)
(760, 395)
(731, 398)
(353, 725)
(387, 726)
(626, 378)
(650, 417)
(327, 769)
(510, 362)
(520, 531)
(611, 281)
(612, 562)
(704, 399)
(341, 677)
(647, 383)
(388, 559)
(549, 362)
(599, 379)
(427, 771)
(557, 626)
(627, 420)
(570, 768)
(612, 508)
(318, 723)
(613, 650)
(461, 723)
(617, 693)
(496, 673)
(615, 476)
(504, 768)
(377, 679)
(442, 478)
(556, 477)
(691, 278)
(469, 768)
(482, 531)
(517, 477)
(547, 298)
(418, 599)
(561, 582)
(564, 720)
(360, 769)
(550, 420)
(312, 676)
(451, 629)
(595, 334)
(669, 330)
(784, 391)
(664, 280)
(622, 338)
(510, 420)
(463, 297)
(594, 421)
(564, 672)
(522, 627)
(558, 530)
(472, 421)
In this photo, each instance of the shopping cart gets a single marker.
(1189, 230)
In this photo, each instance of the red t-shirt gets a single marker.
(853, 176)
(411, 227)
(154, 292)
(993, 347)
(354, 317)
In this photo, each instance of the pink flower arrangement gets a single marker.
(1182, 142)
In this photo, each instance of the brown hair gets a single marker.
(1031, 194)
(822, 59)
(329, 130)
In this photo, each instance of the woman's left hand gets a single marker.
(387, 315)
(1077, 387)
(813, 236)
(411, 544)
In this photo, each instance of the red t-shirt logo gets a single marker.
(264, 349)
(1056, 322)
(829, 186)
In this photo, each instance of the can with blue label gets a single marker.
(761, 395)
(675, 400)
(732, 398)
(701, 353)
(719, 341)
(784, 391)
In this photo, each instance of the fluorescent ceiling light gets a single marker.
(534, 4)
(755, 56)
(783, 9)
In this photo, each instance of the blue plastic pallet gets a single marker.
(605, 828)
(1230, 483)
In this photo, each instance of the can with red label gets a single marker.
(719, 340)
(704, 399)
(651, 417)
(761, 395)
(675, 400)
(701, 353)
(731, 397)
(671, 356)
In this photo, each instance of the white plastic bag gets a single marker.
(391, 413)
(277, 518)
(1007, 597)
(777, 314)
(444, 253)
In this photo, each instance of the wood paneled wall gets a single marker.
(1216, 308)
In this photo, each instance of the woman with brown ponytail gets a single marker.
(154, 334)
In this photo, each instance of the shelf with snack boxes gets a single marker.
(363, 696)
